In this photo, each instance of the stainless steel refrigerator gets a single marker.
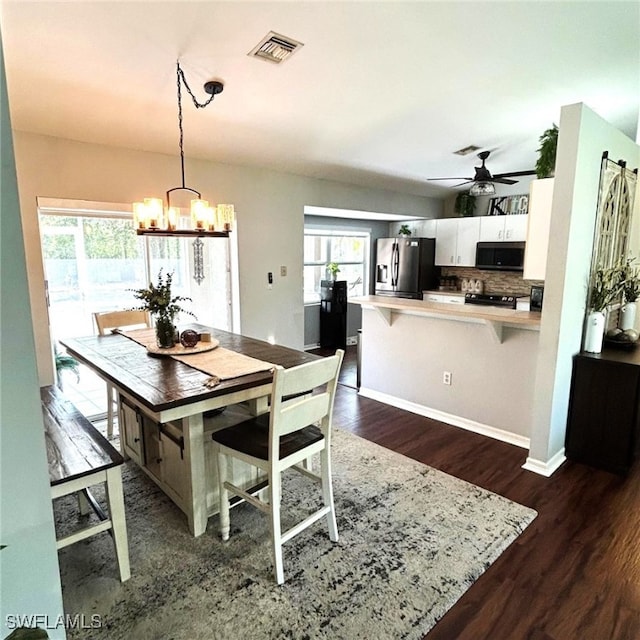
(405, 267)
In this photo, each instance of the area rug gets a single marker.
(412, 541)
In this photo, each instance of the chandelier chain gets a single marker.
(199, 105)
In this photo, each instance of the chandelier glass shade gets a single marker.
(153, 216)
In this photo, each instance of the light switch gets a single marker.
(283, 271)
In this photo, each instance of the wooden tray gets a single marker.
(179, 350)
(619, 344)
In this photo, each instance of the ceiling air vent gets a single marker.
(466, 150)
(275, 48)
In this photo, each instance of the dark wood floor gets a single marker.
(575, 572)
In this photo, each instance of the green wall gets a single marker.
(29, 578)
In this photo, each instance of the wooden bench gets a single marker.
(80, 456)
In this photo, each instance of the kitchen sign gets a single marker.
(509, 205)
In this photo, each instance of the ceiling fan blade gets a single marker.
(515, 173)
(503, 180)
(465, 182)
(454, 178)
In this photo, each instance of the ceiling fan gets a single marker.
(483, 180)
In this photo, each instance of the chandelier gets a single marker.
(155, 217)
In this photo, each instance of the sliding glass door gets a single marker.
(90, 265)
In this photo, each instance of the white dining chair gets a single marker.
(107, 321)
(297, 426)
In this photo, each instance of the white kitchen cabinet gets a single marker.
(511, 228)
(468, 236)
(539, 218)
(425, 228)
(446, 241)
(456, 240)
(515, 228)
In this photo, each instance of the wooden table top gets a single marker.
(75, 448)
(164, 383)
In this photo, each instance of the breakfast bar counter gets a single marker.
(467, 365)
(495, 318)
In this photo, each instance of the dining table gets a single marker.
(170, 402)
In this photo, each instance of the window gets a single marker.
(93, 262)
(349, 249)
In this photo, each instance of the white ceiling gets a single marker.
(381, 94)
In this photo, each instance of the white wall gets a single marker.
(270, 219)
(29, 563)
(583, 137)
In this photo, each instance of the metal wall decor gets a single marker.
(616, 193)
(509, 205)
(613, 220)
(198, 260)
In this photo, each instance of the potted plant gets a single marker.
(164, 307)
(404, 230)
(65, 362)
(630, 293)
(546, 163)
(333, 269)
(606, 287)
(465, 204)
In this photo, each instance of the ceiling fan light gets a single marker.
(483, 188)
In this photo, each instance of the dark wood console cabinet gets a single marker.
(603, 427)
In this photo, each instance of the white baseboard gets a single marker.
(308, 347)
(545, 468)
(448, 418)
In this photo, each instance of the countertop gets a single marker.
(488, 313)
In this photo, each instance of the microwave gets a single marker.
(500, 256)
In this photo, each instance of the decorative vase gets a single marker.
(165, 332)
(595, 332)
(627, 316)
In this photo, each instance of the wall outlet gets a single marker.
(446, 377)
(283, 271)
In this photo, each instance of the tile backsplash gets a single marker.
(494, 281)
